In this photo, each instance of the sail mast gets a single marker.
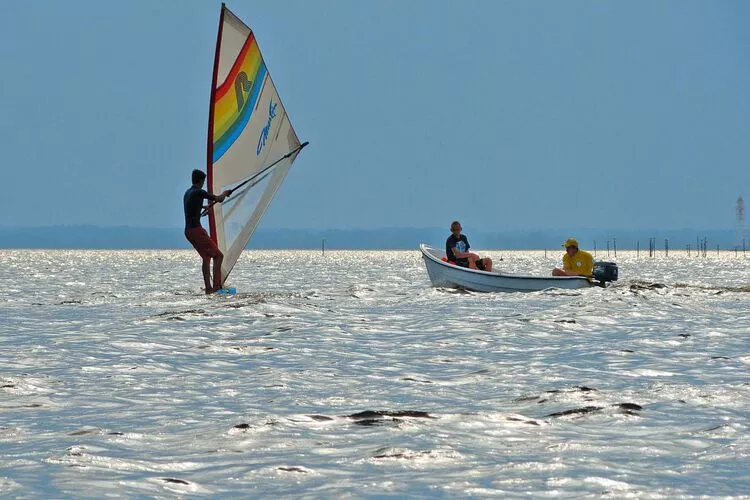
(210, 138)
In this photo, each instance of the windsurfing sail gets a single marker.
(251, 142)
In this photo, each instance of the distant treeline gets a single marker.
(127, 237)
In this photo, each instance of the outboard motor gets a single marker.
(605, 272)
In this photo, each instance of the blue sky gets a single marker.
(504, 114)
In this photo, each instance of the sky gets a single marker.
(506, 115)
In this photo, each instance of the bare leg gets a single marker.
(217, 271)
(561, 272)
(206, 268)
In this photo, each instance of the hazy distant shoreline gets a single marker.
(128, 237)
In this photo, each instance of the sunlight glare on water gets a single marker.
(346, 374)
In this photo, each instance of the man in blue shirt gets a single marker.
(196, 235)
(457, 251)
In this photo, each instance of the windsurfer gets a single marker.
(196, 235)
(457, 251)
(575, 262)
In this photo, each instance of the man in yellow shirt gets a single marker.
(575, 262)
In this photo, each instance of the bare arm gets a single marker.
(463, 255)
(218, 198)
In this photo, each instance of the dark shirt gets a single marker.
(461, 244)
(193, 201)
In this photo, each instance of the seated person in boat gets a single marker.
(576, 262)
(457, 251)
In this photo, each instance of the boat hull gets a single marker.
(445, 275)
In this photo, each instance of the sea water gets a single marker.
(346, 374)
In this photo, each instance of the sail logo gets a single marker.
(242, 85)
(267, 129)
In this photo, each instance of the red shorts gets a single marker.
(202, 242)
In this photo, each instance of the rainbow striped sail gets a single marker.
(235, 99)
(251, 143)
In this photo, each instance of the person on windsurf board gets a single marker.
(196, 235)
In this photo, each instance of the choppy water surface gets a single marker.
(348, 375)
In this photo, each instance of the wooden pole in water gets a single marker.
(323, 246)
(614, 242)
(637, 249)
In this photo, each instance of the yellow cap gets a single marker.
(571, 242)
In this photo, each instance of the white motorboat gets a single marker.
(448, 275)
